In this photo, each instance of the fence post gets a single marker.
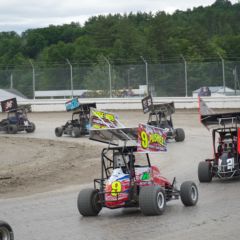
(110, 76)
(223, 73)
(185, 75)
(146, 69)
(33, 78)
(71, 76)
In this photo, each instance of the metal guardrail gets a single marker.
(50, 105)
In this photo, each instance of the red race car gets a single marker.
(129, 180)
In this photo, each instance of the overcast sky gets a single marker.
(20, 15)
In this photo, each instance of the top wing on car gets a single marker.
(166, 108)
(76, 106)
(212, 120)
(9, 105)
(148, 106)
(220, 120)
(114, 136)
(100, 119)
(147, 138)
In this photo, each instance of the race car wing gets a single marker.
(213, 120)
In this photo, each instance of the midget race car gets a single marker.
(128, 179)
(160, 115)
(6, 232)
(17, 120)
(79, 124)
(225, 163)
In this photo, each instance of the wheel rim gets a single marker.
(4, 233)
(160, 200)
(194, 193)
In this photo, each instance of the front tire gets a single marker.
(88, 202)
(152, 200)
(31, 128)
(58, 131)
(6, 232)
(189, 193)
(180, 135)
(204, 172)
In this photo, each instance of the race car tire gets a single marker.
(12, 129)
(180, 135)
(204, 172)
(76, 132)
(58, 131)
(189, 193)
(152, 200)
(88, 202)
(31, 128)
(6, 232)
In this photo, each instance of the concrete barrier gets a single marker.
(51, 105)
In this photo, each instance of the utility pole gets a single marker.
(110, 76)
(185, 75)
(71, 76)
(223, 73)
(146, 70)
(33, 78)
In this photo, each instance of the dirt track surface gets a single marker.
(42, 175)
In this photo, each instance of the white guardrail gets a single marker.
(52, 105)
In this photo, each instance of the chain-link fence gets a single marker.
(109, 80)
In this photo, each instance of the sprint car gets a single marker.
(129, 180)
(79, 124)
(6, 232)
(17, 120)
(225, 163)
(160, 115)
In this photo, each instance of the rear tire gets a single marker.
(6, 232)
(76, 132)
(204, 172)
(152, 200)
(12, 129)
(180, 135)
(88, 202)
(58, 131)
(189, 193)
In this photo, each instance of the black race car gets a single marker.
(17, 121)
(160, 115)
(225, 163)
(79, 124)
(6, 232)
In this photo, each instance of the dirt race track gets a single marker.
(41, 175)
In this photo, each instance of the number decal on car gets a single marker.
(144, 138)
(116, 188)
(230, 164)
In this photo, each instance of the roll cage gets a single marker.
(108, 163)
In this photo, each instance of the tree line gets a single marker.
(200, 34)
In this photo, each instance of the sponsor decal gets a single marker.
(101, 119)
(9, 105)
(151, 139)
(72, 104)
